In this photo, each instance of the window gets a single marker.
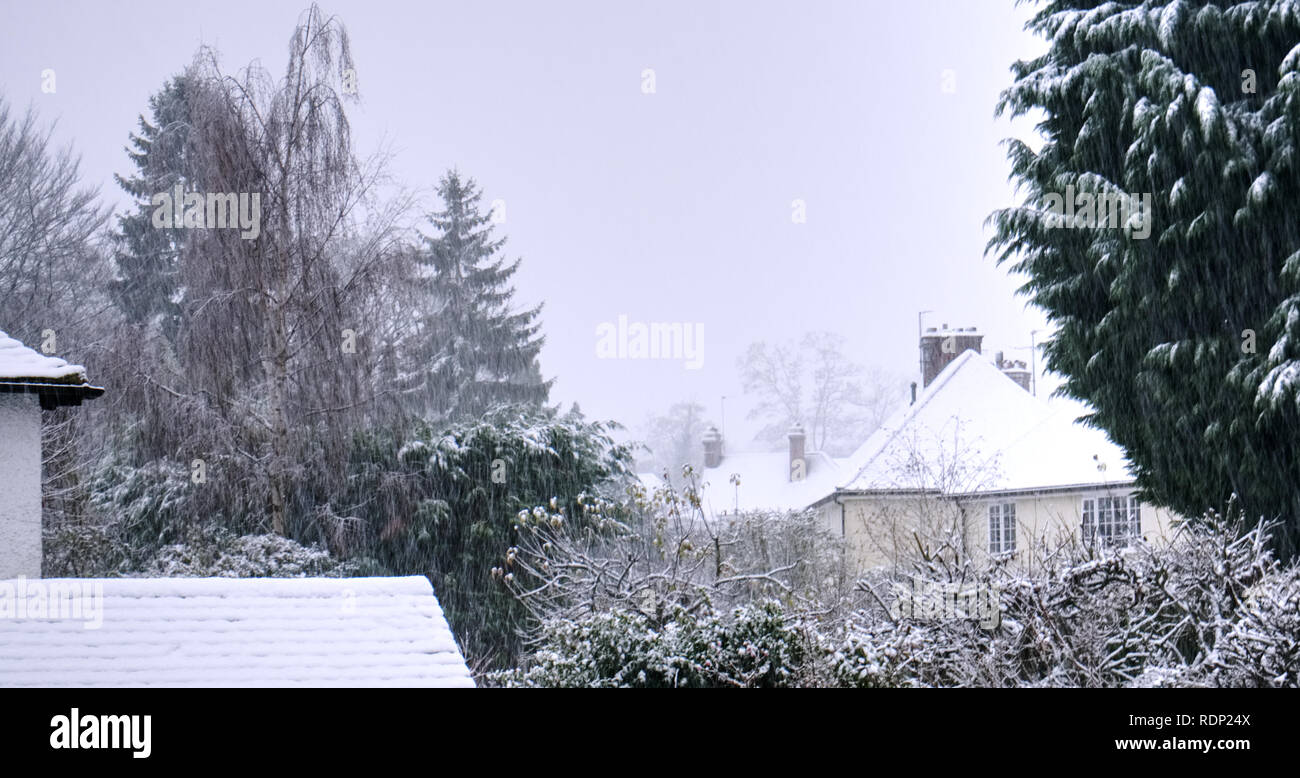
(1002, 528)
(1112, 521)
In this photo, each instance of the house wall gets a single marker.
(882, 530)
(20, 486)
(1044, 522)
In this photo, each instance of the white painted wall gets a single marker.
(20, 486)
(881, 530)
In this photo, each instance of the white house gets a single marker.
(187, 631)
(976, 459)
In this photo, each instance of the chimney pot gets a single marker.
(1018, 372)
(712, 447)
(939, 349)
(798, 465)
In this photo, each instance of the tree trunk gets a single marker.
(278, 373)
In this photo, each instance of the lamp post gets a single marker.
(1033, 361)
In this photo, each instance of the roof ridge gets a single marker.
(910, 412)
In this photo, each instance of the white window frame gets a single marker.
(1002, 527)
(1111, 520)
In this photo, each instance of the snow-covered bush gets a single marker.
(1262, 648)
(623, 604)
(885, 654)
(752, 646)
(1211, 608)
(659, 552)
(650, 591)
(150, 503)
(83, 550)
(132, 511)
(441, 501)
(217, 553)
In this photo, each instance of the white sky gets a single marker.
(670, 207)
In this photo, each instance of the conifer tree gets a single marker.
(470, 350)
(1181, 326)
(146, 256)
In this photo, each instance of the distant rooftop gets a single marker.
(762, 482)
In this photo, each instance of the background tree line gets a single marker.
(348, 380)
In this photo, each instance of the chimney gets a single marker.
(798, 465)
(913, 393)
(1017, 371)
(712, 447)
(940, 347)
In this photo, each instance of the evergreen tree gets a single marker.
(1181, 327)
(470, 351)
(146, 256)
(444, 501)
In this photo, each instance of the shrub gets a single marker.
(222, 554)
(752, 646)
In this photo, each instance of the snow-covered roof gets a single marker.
(976, 430)
(232, 632)
(650, 482)
(946, 331)
(18, 363)
(764, 482)
(55, 381)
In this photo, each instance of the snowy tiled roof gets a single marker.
(764, 482)
(19, 363)
(235, 632)
(975, 430)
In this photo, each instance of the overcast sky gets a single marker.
(672, 206)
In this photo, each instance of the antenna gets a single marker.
(920, 333)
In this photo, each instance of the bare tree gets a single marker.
(49, 260)
(276, 324)
(920, 521)
(53, 268)
(674, 440)
(842, 405)
(667, 554)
